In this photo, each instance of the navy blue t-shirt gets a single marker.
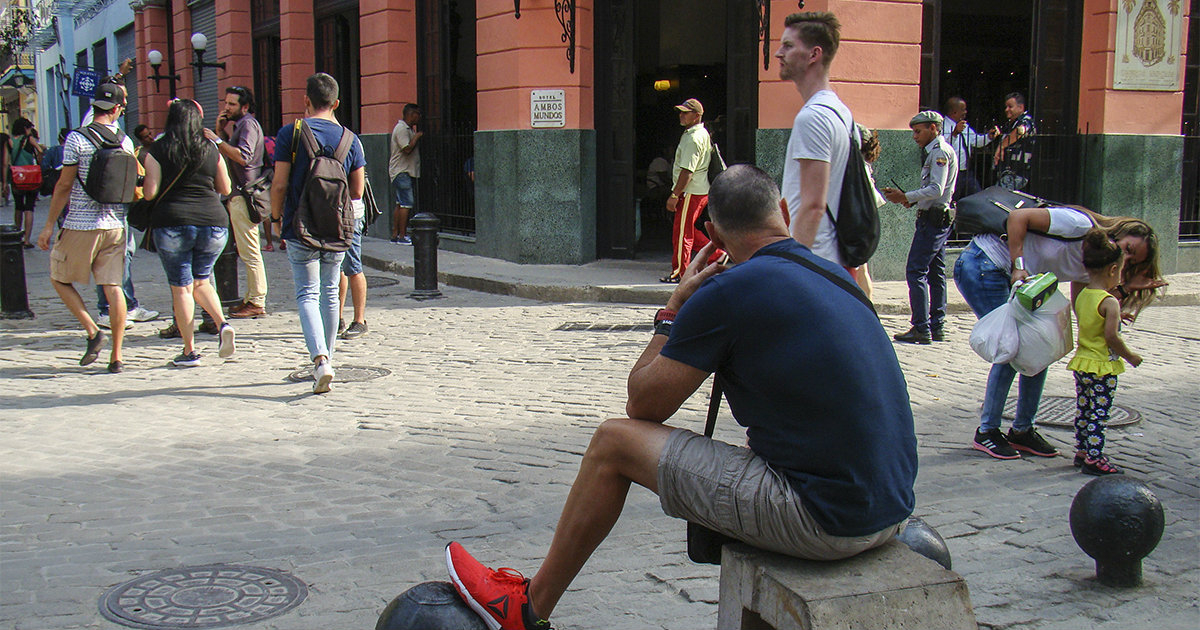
(811, 374)
(328, 135)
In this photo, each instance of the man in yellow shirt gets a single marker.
(689, 192)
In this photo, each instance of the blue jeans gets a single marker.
(985, 287)
(316, 275)
(188, 252)
(402, 188)
(127, 286)
(926, 275)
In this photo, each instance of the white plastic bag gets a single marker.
(995, 335)
(1045, 334)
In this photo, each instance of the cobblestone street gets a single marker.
(475, 436)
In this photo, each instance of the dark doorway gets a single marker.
(337, 54)
(264, 16)
(650, 56)
(446, 93)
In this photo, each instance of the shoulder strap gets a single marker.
(853, 144)
(714, 405)
(310, 141)
(832, 277)
(296, 136)
(343, 148)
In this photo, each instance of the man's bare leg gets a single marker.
(74, 303)
(116, 318)
(621, 451)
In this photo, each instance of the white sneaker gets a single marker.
(225, 349)
(102, 321)
(140, 314)
(322, 377)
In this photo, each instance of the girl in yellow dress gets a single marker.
(1097, 360)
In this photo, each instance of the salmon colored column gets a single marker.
(233, 46)
(150, 32)
(877, 69)
(182, 38)
(516, 56)
(387, 32)
(1105, 110)
(297, 54)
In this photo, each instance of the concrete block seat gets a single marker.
(890, 586)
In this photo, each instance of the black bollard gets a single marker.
(424, 229)
(1117, 521)
(925, 540)
(14, 296)
(429, 606)
(225, 275)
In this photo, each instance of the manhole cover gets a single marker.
(380, 281)
(1059, 411)
(343, 374)
(202, 597)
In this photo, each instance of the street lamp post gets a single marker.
(156, 58)
(199, 45)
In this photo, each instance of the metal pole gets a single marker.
(14, 298)
(424, 229)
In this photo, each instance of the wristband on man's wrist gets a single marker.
(1019, 263)
(663, 320)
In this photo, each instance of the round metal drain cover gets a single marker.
(1059, 411)
(210, 596)
(343, 374)
(380, 281)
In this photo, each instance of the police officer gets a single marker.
(926, 269)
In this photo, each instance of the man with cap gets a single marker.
(689, 191)
(926, 268)
(92, 241)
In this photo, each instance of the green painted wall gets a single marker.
(1138, 176)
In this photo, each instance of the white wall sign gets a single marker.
(547, 108)
(1149, 45)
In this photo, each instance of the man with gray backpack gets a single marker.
(318, 184)
(98, 177)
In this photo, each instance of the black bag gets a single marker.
(113, 171)
(140, 212)
(257, 195)
(716, 163)
(857, 221)
(324, 218)
(986, 212)
(372, 208)
(49, 181)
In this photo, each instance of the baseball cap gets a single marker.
(927, 116)
(691, 105)
(108, 96)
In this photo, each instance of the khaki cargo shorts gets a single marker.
(80, 254)
(731, 490)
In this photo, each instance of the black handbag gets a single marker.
(986, 212)
(140, 211)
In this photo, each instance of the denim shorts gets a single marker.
(352, 263)
(402, 187)
(188, 252)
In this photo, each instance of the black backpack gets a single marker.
(857, 220)
(113, 171)
(324, 219)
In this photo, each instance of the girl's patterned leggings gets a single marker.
(1093, 399)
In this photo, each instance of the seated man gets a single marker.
(806, 368)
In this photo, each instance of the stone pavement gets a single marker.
(475, 436)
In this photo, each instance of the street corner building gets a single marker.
(540, 117)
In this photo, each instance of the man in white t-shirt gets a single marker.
(820, 142)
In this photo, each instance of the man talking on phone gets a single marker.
(805, 366)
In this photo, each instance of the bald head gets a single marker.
(744, 199)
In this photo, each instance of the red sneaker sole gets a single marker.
(985, 450)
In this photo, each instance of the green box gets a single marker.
(1037, 289)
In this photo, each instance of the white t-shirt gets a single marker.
(1062, 258)
(819, 134)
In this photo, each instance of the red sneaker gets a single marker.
(499, 597)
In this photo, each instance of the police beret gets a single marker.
(927, 116)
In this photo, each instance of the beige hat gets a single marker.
(927, 116)
(691, 105)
